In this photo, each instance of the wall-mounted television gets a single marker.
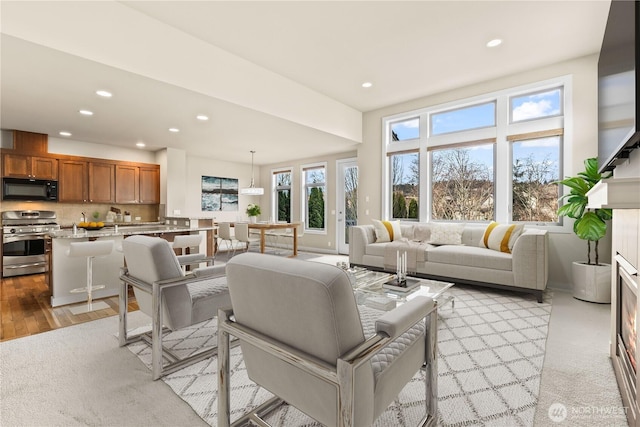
(618, 88)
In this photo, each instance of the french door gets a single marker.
(347, 202)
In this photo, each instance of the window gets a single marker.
(405, 129)
(315, 197)
(536, 105)
(536, 167)
(462, 180)
(494, 156)
(405, 174)
(459, 119)
(281, 196)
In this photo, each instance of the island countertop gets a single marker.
(128, 230)
(66, 273)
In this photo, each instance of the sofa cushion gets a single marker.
(387, 231)
(471, 256)
(446, 234)
(501, 237)
(421, 232)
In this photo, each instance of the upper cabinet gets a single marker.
(73, 183)
(102, 182)
(26, 166)
(138, 184)
(150, 184)
(86, 181)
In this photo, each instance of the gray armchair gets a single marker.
(302, 339)
(170, 297)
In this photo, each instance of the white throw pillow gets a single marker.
(501, 237)
(446, 234)
(387, 231)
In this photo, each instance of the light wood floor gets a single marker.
(25, 308)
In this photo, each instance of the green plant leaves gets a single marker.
(590, 227)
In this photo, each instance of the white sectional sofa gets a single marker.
(525, 269)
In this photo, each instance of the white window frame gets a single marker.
(503, 155)
(303, 198)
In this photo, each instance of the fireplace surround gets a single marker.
(624, 343)
(623, 196)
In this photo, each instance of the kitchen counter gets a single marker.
(67, 273)
(127, 230)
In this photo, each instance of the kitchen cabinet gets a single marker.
(30, 142)
(86, 181)
(150, 184)
(26, 166)
(72, 185)
(102, 182)
(137, 184)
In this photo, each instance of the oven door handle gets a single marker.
(31, 264)
(8, 238)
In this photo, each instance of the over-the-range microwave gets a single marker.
(29, 189)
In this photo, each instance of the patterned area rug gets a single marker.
(491, 352)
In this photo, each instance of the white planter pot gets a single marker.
(591, 282)
(253, 219)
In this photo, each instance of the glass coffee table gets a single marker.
(370, 289)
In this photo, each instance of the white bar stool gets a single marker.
(89, 250)
(185, 242)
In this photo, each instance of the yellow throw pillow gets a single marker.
(387, 231)
(501, 237)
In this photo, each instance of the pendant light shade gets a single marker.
(252, 190)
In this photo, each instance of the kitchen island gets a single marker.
(66, 273)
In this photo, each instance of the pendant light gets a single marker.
(252, 190)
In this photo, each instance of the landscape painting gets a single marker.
(219, 194)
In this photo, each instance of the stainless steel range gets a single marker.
(23, 241)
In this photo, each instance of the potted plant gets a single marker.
(253, 211)
(591, 281)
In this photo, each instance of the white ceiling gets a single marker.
(320, 52)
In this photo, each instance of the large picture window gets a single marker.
(494, 156)
(462, 180)
(315, 201)
(282, 195)
(536, 168)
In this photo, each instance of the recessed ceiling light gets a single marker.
(367, 84)
(175, 130)
(494, 43)
(65, 133)
(86, 112)
(202, 117)
(140, 144)
(104, 93)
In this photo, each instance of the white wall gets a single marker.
(89, 149)
(565, 247)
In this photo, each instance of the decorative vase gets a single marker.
(253, 219)
(591, 282)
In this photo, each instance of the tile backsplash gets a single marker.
(68, 213)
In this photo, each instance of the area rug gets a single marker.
(491, 352)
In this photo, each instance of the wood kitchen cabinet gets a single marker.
(86, 181)
(137, 184)
(73, 185)
(25, 166)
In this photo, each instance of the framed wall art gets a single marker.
(219, 194)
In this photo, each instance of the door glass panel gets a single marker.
(350, 199)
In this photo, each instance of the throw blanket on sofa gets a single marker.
(415, 253)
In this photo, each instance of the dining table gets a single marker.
(264, 226)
